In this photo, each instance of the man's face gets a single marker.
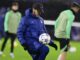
(40, 12)
(15, 7)
(77, 9)
(35, 12)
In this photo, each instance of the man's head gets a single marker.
(75, 7)
(15, 6)
(37, 9)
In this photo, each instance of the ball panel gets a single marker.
(44, 38)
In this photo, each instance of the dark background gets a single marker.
(52, 8)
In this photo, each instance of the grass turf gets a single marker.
(20, 54)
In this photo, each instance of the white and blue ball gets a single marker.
(44, 38)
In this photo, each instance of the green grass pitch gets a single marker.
(20, 54)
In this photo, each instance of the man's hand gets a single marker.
(25, 46)
(52, 44)
(55, 46)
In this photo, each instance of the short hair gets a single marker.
(38, 6)
(75, 4)
(15, 3)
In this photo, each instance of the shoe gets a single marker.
(12, 55)
(1, 53)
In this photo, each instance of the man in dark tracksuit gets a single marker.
(2, 15)
(30, 28)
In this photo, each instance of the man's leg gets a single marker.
(4, 44)
(64, 48)
(13, 37)
(34, 56)
(62, 56)
(41, 54)
(12, 43)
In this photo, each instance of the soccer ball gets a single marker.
(72, 49)
(44, 38)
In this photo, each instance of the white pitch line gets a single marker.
(48, 22)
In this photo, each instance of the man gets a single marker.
(63, 28)
(11, 22)
(2, 15)
(30, 28)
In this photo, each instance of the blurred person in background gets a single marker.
(76, 33)
(3, 10)
(30, 28)
(63, 28)
(12, 19)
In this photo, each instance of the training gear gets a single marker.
(63, 24)
(1, 53)
(11, 22)
(12, 55)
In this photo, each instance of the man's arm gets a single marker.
(21, 30)
(62, 17)
(6, 21)
(20, 15)
(69, 25)
(52, 44)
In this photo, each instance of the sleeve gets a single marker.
(61, 17)
(21, 30)
(69, 24)
(20, 16)
(6, 21)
